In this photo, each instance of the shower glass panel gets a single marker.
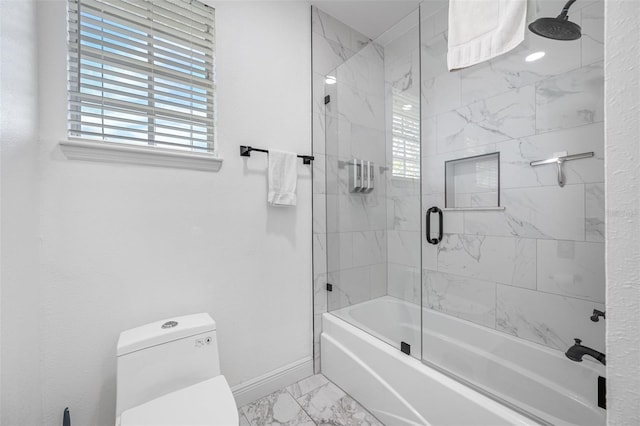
(372, 116)
(508, 282)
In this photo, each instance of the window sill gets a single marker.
(78, 149)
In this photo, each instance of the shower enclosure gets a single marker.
(431, 223)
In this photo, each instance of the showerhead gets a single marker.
(559, 28)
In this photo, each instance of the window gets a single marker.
(405, 136)
(141, 72)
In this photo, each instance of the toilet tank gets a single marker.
(165, 356)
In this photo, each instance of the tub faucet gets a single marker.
(596, 315)
(577, 351)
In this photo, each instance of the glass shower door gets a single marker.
(372, 113)
(520, 266)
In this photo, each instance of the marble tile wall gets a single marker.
(356, 226)
(350, 237)
(402, 83)
(536, 269)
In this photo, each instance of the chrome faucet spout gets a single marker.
(577, 351)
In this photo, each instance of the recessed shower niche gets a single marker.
(473, 182)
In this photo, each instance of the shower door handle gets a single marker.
(430, 240)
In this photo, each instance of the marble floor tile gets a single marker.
(305, 386)
(242, 419)
(328, 404)
(278, 408)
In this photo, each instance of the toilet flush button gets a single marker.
(169, 324)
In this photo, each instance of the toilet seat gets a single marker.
(207, 403)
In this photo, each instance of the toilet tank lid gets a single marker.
(159, 332)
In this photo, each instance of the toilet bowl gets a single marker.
(169, 374)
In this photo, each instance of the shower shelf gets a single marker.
(472, 209)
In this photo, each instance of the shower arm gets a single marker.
(565, 10)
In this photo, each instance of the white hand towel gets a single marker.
(283, 176)
(483, 29)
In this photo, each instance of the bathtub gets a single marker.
(475, 375)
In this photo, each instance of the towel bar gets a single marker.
(245, 151)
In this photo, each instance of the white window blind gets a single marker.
(141, 72)
(405, 136)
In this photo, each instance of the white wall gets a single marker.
(622, 90)
(20, 370)
(123, 245)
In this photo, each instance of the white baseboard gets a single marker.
(254, 389)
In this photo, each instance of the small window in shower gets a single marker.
(473, 182)
(406, 135)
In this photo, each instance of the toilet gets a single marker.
(169, 374)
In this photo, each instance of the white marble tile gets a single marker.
(320, 253)
(320, 292)
(332, 136)
(332, 174)
(511, 71)
(318, 133)
(434, 56)
(364, 71)
(434, 20)
(429, 141)
(242, 419)
(403, 213)
(403, 73)
(319, 213)
(369, 247)
(368, 144)
(548, 319)
(462, 297)
(401, 40)
(453, 222)
(278, 408)
(504, 260)
(350, 286)
(571, 99)
(503, 117)
(319, 174)
(361, 108)
(429, 256)
(363, 212)
(547, 212)
(594, 216)
(332, 29)
(404, 248)
(378, 284)
(305, 386)
(516, 154)
(329, 405)
(592, 32)
(404, 282)
(440, 94)
(572, 268)
(328, 54)
(339, 251)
